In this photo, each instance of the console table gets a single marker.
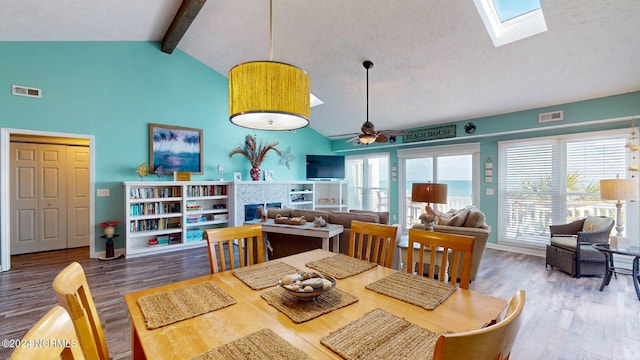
(609, 250)
(331, 231)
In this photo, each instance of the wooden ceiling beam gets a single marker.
(181, 22)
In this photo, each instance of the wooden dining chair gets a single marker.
(373, 242)
(458, 247)
(493, 342)
(52, 337)
(72, 291)
(234, 247)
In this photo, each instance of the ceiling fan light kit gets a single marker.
(367, 138)
(269, 95)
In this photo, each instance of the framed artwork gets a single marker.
(237, 176)
(175, 148)
(268, 175)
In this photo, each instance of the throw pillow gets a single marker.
(458, 218)
(273, 212)
(596, 223)
(475, 219)
(442, 218)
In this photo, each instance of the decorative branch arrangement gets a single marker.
(255, 154)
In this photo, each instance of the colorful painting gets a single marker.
(174, 148)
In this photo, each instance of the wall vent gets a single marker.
(551, 116)
(26, 91)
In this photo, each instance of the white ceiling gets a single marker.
(434, 61)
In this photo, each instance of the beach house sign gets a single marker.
(431, 133)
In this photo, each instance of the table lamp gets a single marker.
(619, 189)
(429, 193)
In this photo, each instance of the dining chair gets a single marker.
(493, 342)
(52, 337)
(458, 247)
(373, 242)
(72, 291)
(235, 246)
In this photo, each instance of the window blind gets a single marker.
(554, 180)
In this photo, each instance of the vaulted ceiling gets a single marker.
(433, 60)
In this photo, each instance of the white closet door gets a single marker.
(38, 198)
(77, 196)
(24, 198)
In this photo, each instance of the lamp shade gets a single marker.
(619, 189)
(429, 193)
(269, 95)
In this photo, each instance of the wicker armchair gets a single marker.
(570, 248)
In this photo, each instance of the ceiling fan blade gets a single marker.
(394, 132)
(382, 138)
(342, 136)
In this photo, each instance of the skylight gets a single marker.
(315, 101)
(509, 9)
(507, 21)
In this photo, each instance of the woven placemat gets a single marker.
(416, 290)
(381, 335)
(183, 303)
(341, 266)
(260, 345)
(264, 275)
(300, 311)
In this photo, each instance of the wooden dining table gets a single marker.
(463, 310)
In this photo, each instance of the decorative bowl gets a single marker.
(307, 285)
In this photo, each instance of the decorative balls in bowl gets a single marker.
(307, 285)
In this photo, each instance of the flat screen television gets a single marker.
(325, 167)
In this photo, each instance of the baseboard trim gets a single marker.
(517, 249)
(116, 252)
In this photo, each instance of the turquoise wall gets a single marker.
(516, 125)
(113, 90)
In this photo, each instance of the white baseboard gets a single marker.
(116, 252)
(516, 249)
(620, 261)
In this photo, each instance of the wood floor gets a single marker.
(564, 318)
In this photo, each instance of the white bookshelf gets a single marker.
(330, 195)
(301, 194)
(177, 212)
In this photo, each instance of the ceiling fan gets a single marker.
(369, 133)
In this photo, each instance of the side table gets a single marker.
(609, 250)
(403, 245)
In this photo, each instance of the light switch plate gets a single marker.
(104, 192)
(489, 191)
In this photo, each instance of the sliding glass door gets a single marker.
(368, 177)
(455, 166)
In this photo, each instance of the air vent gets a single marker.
(551, 116)
(26, 91)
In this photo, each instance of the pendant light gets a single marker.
(269, 95)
